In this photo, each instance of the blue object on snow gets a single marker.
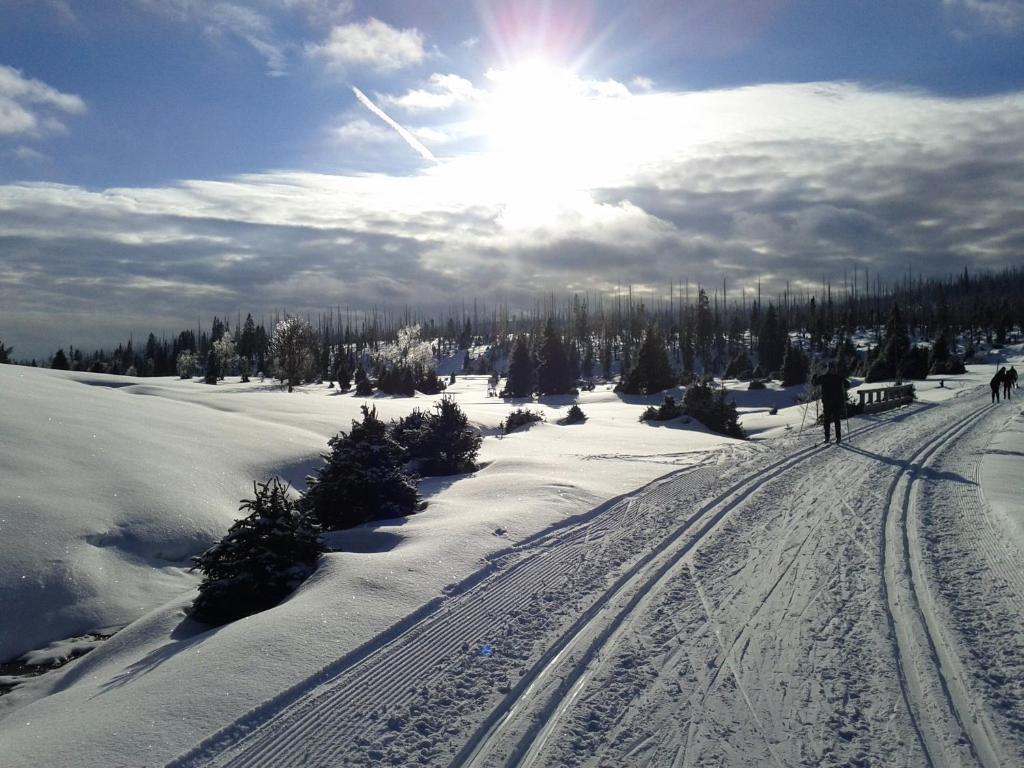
(487, 650)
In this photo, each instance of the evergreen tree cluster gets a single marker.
(262, 559)
(669, 409)
(713, 409)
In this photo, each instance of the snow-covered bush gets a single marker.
(712, 409)
(262, 559)
(186, 364)
(669, 409)
(364, 387)
(446, 444)
(227, 357)
(363, 478)
(575, 416)
(518, 418)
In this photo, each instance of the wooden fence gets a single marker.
(885, 398)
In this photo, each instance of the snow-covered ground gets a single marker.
(644, 593)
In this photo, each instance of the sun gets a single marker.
(535, 126)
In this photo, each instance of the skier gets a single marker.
(833, 399)
(997, 382)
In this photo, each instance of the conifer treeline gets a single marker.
(699, 324)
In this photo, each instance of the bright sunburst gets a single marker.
(535, 123)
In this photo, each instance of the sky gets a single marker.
(162, 161)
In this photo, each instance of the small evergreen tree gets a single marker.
(362, 479)
(652, 373)
(554, 375)
(343, 374)
(713, 410)
(795, 366)
(364, 388)
(5, 353)
(574, 416)
(260, 561)
(446, 444)
(739, 366)
(60, 361)
(212, 370)
(520, 372)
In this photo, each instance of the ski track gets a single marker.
(737, 612)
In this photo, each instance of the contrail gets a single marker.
(411, 140)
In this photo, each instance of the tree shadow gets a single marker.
(920, 470)
(188, 633)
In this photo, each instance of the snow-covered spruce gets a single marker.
(262, 559)
(363, 478)
(441, 443)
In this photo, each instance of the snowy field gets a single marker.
(611, 593)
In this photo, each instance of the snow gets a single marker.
(775, 576)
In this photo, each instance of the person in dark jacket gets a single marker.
(997, 382)
(1007, 383)
(1012, 373)
(833, 399)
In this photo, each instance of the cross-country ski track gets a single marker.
(803, 604)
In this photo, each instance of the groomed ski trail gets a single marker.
(664, 614)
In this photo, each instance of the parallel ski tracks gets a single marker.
(944, 714)
(336, 710)
(577, 647)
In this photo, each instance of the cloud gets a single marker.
(371, 44)
(798, 182)
(442, 92)
(27, 105)
(1000, 16)
(321, 11)
(361, 131)
(227, 20)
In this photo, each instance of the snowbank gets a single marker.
(111, 483)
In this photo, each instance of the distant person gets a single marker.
(833, 399)
(1012, 373)
(1007, 383)
(997, 382)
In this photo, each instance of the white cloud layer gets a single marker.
(27, 106)
(370, 44)
(442, 92)
(783, 182)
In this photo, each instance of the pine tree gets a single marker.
(5, 353)
(363, 478)
(771, 342)
(795, 366)
(260, 561)
(364, 388)
(714, 410)
(652, 373)
(342, 373)
(60, 361)
(554, 376)
(212, 369)
(520, 371)
(446, 444)
(705, 327)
